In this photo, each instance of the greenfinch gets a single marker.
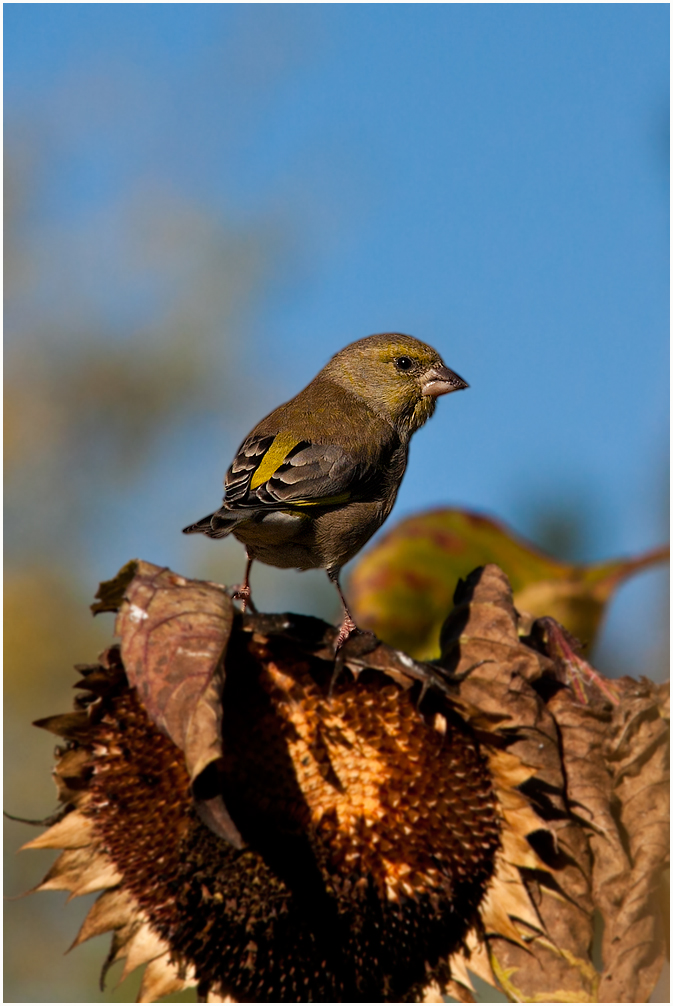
(319, 475)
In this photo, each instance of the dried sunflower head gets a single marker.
(350, 840)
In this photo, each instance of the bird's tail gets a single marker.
(215, 525)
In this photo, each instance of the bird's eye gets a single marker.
(404, 363)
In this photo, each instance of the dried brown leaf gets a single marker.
(616, 760)
(110, 593)
(174, 633)
(480, 640)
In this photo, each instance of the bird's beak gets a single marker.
(440, 381)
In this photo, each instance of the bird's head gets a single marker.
(397, 375)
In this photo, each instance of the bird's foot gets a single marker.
(348, 629)
(354, 648)
(243, 594)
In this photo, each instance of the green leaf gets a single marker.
(402, 588)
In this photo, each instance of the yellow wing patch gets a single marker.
(323, 500)
(274, 457)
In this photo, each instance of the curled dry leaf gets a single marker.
(617, 766)
(601, 784)
(398, 825)
(174, 633)
(550, 962)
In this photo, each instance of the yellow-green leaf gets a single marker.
(402, 588)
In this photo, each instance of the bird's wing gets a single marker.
(284, 471)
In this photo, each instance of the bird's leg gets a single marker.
(348, 626)
(242, 592)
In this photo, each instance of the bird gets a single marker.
(318, 476)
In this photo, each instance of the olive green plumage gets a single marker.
(319, 475)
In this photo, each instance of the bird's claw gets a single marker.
(243, 594)
(362, 640)
(348, 629)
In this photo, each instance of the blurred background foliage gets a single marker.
(92, 403)
(202, 204)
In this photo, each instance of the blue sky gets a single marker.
(491, 178)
